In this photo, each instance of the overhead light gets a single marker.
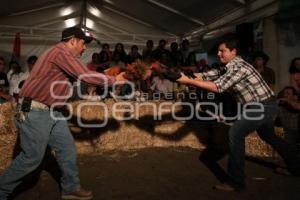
(109, 1)
(95, 11)
(161, 5)
(241, 1)
(70, 22)
(90, 23)
(66, 11)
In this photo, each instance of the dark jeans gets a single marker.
(216, 149)
(265, 129)
(37, 131)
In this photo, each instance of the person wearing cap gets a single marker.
(44, 93)
(259, 110)
(260, 60)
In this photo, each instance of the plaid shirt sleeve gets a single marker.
(233, 75)
(210, 75)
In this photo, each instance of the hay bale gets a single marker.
(7, 125)
(139, 132)
(258, 148)
(8, 134)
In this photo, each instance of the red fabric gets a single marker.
(155, 66)
(17, 46)
(48, 80)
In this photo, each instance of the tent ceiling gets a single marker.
(127, 21)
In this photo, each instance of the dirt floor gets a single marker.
(162, 174)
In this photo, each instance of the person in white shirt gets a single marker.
(162, 85)
(14, 76)
(30, 63)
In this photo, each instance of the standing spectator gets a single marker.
(14, 76)
(176, 55)
(148, 50)
(294, 71)
(161, 49)
(119, 49)
(134, 54)
(30, 63)
(260, 60)
(117, 62)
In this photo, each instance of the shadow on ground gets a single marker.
(162, 174)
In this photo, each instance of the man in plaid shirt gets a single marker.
(252, 91)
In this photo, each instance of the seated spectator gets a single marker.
(148, 59)
(117, 61)
(162, 85)
(134, 54)
(288, 114)
(4, 96)
(95, 63)
(260, 60)
(104, 61)
(176, 55)
(294, 71)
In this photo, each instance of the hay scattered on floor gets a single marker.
(258, 148)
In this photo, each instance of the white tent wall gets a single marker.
(282, 46)
(289, 48)
(41, 21)
(29, 48)
(271, 47)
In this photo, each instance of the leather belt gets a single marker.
(39, 105)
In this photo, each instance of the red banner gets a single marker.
(17, 48)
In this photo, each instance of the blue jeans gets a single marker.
(265, 129)
(37, 131)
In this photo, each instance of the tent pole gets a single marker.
(83, 15)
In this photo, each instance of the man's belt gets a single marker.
(27, 104)
(39, 105)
